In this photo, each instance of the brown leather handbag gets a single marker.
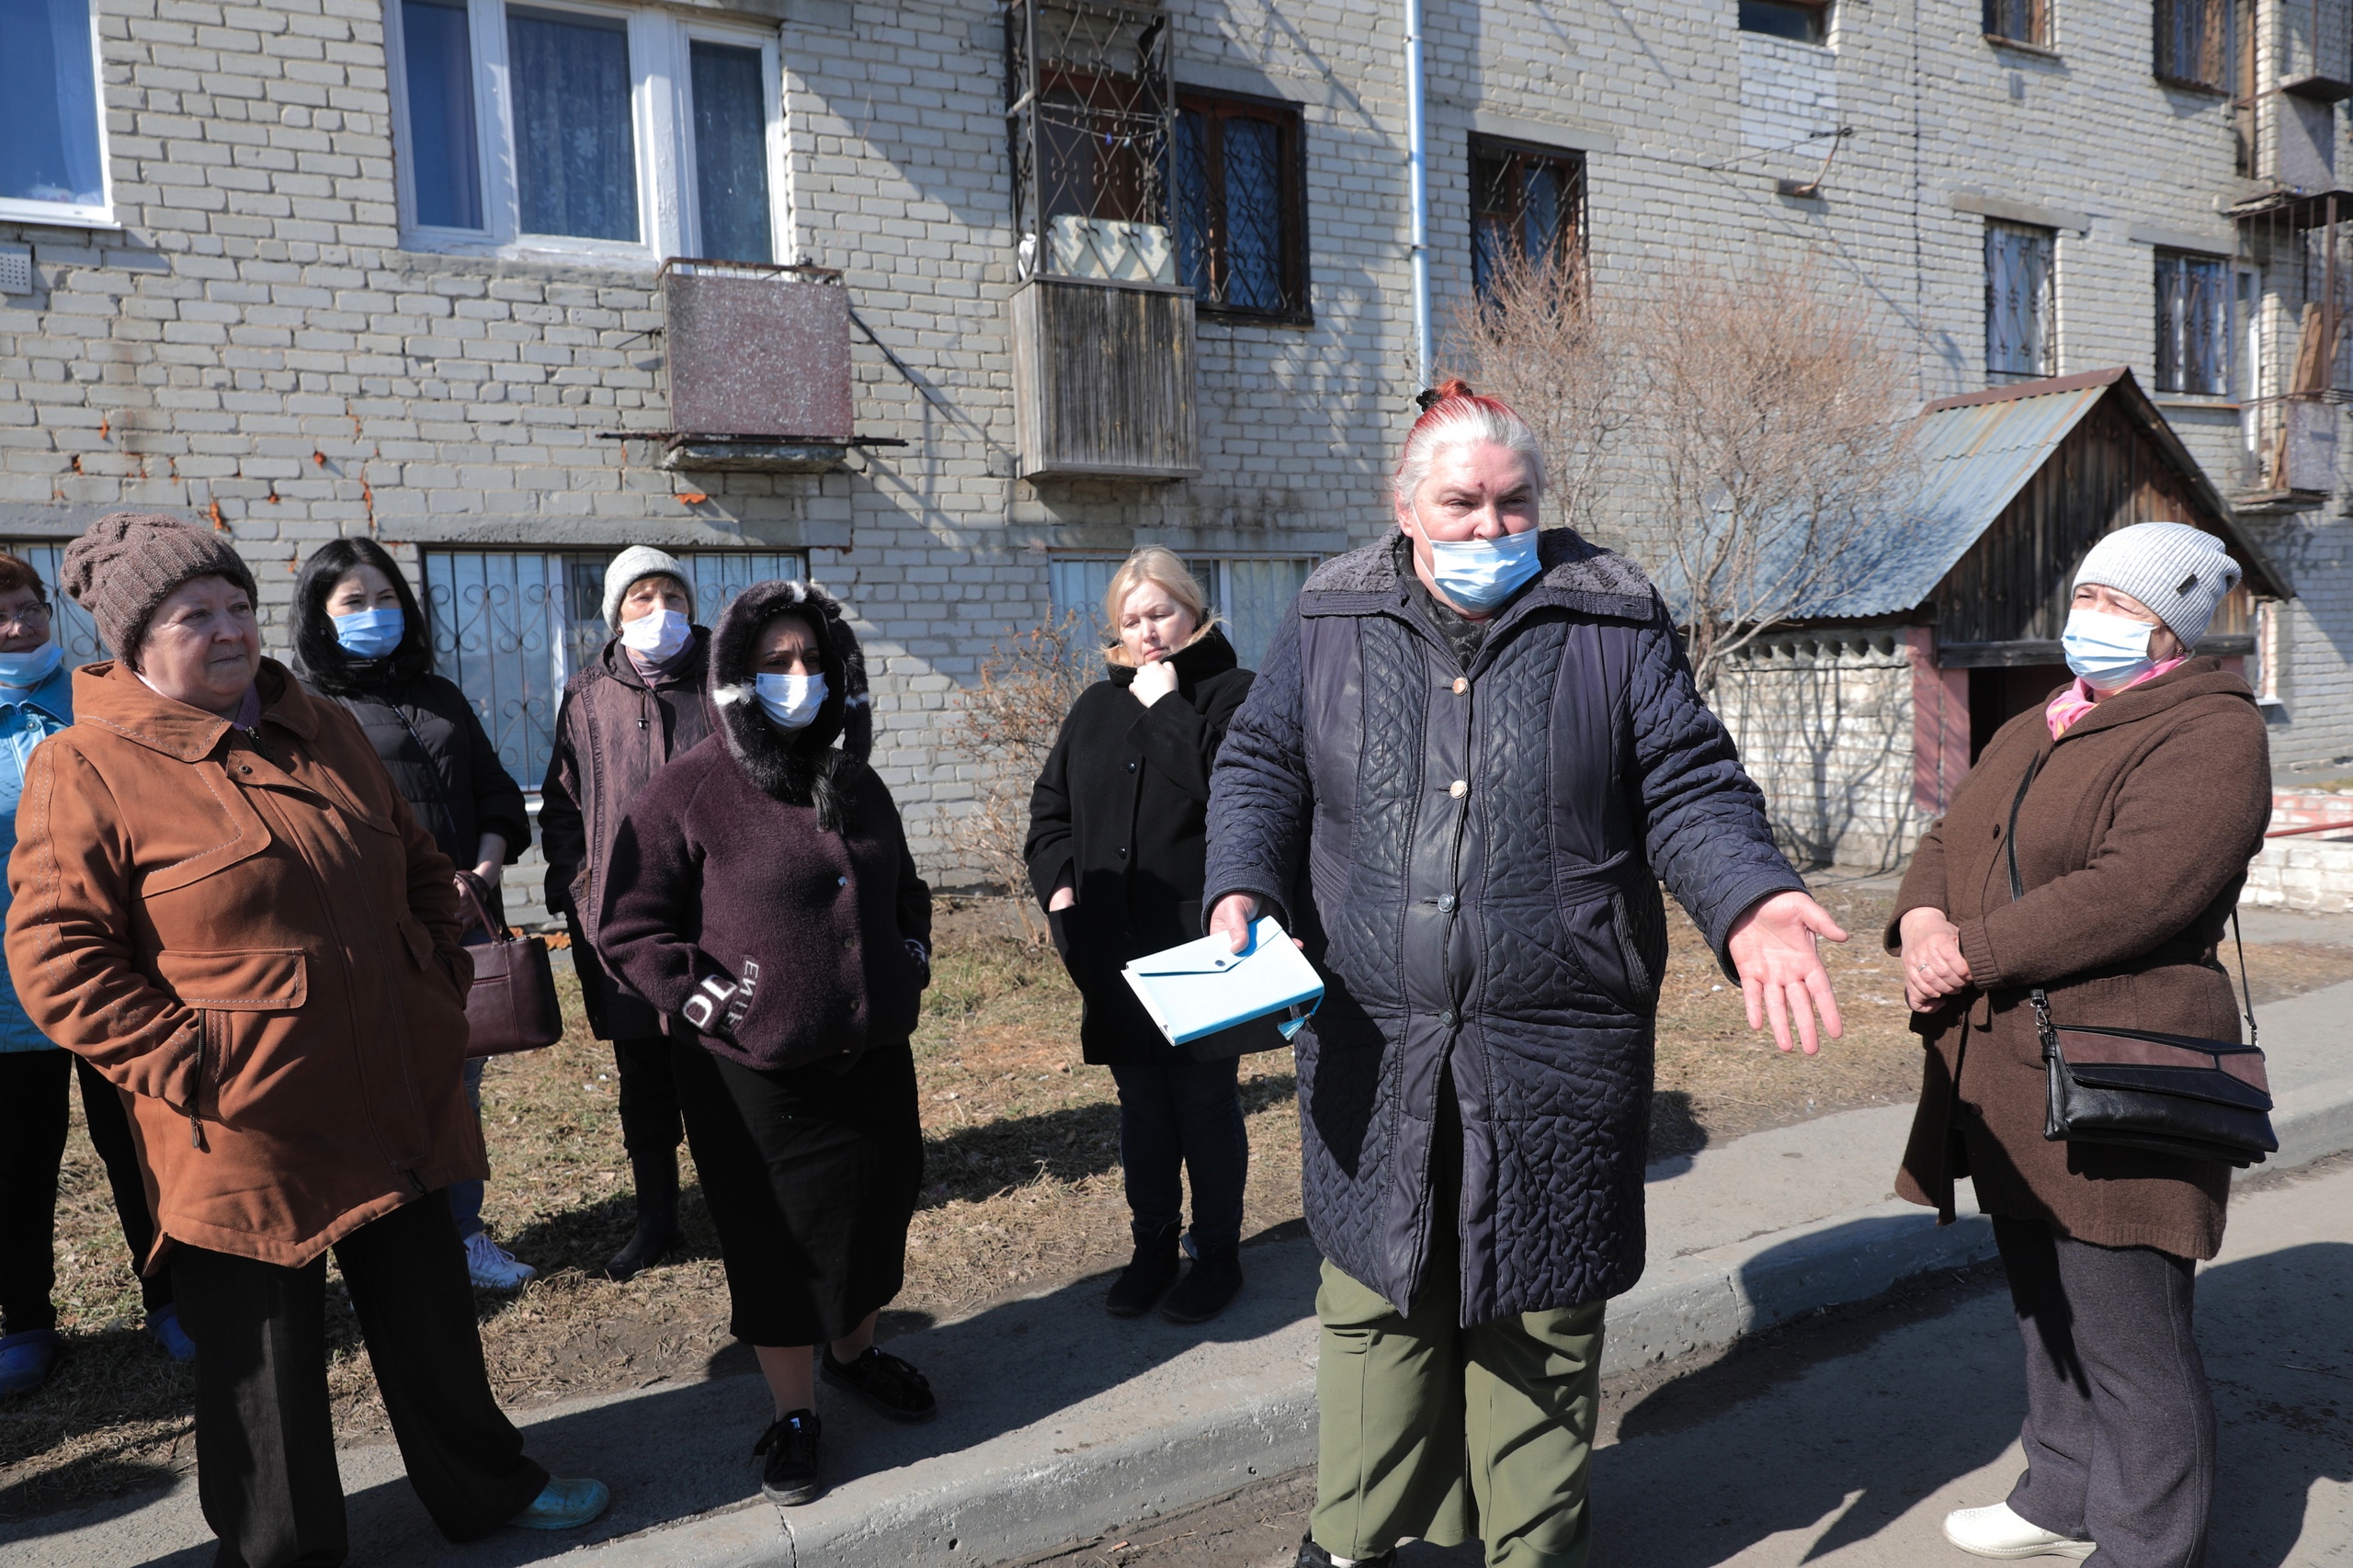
(513, 1003)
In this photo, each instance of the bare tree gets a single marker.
(1537, 338)
(1777, 424)
(1009, 723)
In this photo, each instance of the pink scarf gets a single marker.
(2079, 700)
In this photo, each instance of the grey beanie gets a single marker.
(2178, 572)
(641, 561)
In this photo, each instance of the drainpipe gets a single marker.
(1416, 174)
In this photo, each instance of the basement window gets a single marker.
(52, 137)
(1807, 21)
(1251, 593)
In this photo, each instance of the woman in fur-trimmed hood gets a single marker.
(762, 898)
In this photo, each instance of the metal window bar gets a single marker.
(2194, 42)
(1529, 202)
(1089, 116)
(2019, 336)
(2193, 323)
(1238, 227)
(2295, 248)
(2019, 21)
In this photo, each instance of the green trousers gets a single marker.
(1430, 1431)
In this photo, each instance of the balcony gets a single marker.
(759, 363)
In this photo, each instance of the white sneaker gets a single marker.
(1995, 1531)
(492, 1267)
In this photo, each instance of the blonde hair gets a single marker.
(1156, 565)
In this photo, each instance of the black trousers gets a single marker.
(2120, 1423)
(265, 1439)
(650, 1126)
(33, 1120)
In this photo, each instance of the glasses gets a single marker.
(32, 618)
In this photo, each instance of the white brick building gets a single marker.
(286, 274)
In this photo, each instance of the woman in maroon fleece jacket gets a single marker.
(761, 897)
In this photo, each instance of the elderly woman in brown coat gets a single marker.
(222, 903)
(2152, 787)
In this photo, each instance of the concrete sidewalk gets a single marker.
(1058, 1420)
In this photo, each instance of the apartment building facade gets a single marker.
(991, 294)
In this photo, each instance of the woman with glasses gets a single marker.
(36, 701)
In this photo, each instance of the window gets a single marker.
(1241, 205)
(1251, 592)
(2019, 21)
(68, 622)
(1525, 203)
(52, 146)
(2194, 43)
(1808, 21)
(565, 127)
(510, 628)
(2020, 339)
(2193, 323)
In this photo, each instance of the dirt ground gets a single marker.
(1022, 1187)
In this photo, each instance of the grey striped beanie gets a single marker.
(2178, 572)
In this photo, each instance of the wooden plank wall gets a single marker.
(1104, 380)
(2015, 583)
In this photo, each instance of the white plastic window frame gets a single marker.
(661, 124)
(76, 214)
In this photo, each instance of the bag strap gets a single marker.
(2018, 891)
(482, 911)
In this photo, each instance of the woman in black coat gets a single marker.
(360, 641)
(1117, 831)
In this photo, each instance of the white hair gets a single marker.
(1460, 417)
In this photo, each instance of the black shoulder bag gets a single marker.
(2197, 1100)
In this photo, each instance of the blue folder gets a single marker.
(1216, 1002)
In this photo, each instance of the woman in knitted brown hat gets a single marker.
(222, 903)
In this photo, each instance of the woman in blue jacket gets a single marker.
(36, 701)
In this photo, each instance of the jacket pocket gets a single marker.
(245, 1000)
(1601, 941)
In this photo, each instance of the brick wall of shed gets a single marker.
(1825, 725)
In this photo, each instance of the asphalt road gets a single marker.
(1843, 1441)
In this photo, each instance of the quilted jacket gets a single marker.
(1471, 855)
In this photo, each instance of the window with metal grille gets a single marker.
(510, 627)
(2193, 323)
(2020, 335)
(69, 624)
(2019, 21)
(1807, 21)
(1242, 205)
(1250, 592)
(2194, 43)
(1526, 203)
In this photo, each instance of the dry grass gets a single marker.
(1022, 1190)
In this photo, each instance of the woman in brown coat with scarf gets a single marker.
(222, 905)
(2151, 789)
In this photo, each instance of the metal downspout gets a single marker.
(1416, 171)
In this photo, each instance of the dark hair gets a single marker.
(325, 662)
(15, 573)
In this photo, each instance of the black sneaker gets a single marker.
(1314, 1556)
(1209, 1285)
(789, 1476)
(1147, 1275)
(884, 1381)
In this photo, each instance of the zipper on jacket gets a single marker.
(195, 1096)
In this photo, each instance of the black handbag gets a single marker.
(2197, 1100)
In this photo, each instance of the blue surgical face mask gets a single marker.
(27, 670)
(2107, 650)
(370, 633)
(790, 701)
(1480, 574)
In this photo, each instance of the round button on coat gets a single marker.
(1460, 686)
(1459, 789)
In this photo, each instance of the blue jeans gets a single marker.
(1184, 1113)
(465, 1197)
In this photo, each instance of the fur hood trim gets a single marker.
(800, 766)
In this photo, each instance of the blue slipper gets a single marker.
(26, 1359)
(164, 1325)
(564, 1505)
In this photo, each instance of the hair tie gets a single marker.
(1427, 396)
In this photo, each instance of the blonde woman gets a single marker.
(1118, 835)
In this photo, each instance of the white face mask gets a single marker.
(657, 635)
(790, 701)
(2108, 650)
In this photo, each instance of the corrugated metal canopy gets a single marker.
(1976, 453)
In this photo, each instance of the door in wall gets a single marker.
(1998, 694)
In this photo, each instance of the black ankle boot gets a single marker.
(657, 1217)
(1214, 1280)
(1147, 1275)
(1314, 1556)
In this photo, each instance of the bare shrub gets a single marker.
(1776, 427)
(1539, 339)
(1006, 728)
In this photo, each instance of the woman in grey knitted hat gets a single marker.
(2140, 793)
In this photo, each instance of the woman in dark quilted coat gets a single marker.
(1472, 752)
(360, 641)
(1118, 828)
(2151, 789)
(762, 899)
